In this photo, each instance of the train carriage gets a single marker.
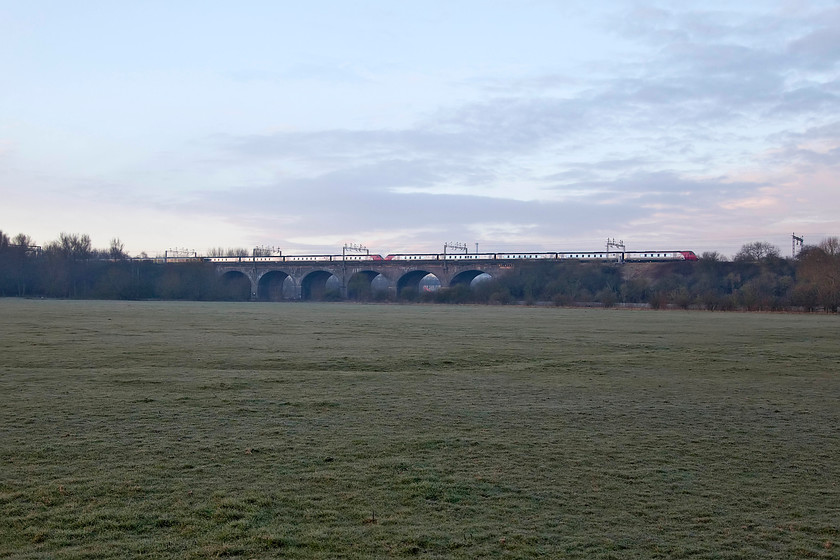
(592, 256)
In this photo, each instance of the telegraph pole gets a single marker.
(612, 243)
(266, 251)
(178, 254)
(457, 246)
(796, 243)
(349, 248)
(453, 245)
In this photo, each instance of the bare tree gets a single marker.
(23, 240)
(117, 250)
(831, 246)
(67, 260)
(713, 256)
(757, 251)
(230, 252)
(819, 273)
(72, 246)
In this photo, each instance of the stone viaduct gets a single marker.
(307, 280)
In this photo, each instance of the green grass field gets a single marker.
(196, 430)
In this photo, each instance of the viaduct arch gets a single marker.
(318, 280)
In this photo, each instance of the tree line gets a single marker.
(70, 267)
(756, 278)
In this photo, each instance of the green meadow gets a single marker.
(242, 430)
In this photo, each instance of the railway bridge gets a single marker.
(274, 281)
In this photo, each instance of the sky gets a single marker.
(524, 125)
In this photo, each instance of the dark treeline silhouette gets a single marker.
(71, 268)
(757, 278)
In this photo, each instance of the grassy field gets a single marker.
(195, 430)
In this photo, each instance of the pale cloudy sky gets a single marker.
(518, 125)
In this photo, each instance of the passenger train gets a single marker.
(596, 256)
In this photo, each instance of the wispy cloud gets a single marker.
(701, 123)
